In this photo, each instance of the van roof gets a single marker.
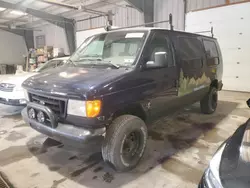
(158, 28)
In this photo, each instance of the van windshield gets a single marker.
(50, 64)
(116, 49)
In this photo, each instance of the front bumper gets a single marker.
(13, 102)
(208, 181)
(66, 133)
(6, 110)
(12, 98)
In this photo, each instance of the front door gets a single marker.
(165, 78)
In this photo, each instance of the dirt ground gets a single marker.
(178, 151)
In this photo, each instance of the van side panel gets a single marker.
(193, 75)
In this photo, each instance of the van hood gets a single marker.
(17, 79)
(235, 161)
(74, 82)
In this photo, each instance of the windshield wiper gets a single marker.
(93, 55)
(110, 63)
(104, 62)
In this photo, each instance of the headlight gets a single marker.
(84, 108)
(76, 107)
(212, 175)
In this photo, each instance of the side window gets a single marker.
(191, 52)
(160, 43)
(211, 52)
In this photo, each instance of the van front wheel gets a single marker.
(125, 142)
(209, 102)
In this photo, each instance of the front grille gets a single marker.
(58, 106)
(6, 87)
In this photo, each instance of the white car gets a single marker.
(12, 99)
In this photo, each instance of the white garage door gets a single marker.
(232, 29)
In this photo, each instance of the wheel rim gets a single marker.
(214, 100)
(131, 147)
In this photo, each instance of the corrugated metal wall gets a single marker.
(200, 4)
(123, 16)
(12, 48)
(127, 16)
(164, 7)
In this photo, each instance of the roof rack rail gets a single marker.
(208, 31)
(170, 21)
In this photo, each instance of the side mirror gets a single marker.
(248, 103)
(160, 60)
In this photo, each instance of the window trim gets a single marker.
(218, 57)
(190, 37)
(202, 55)
(169, 42)
(214, 44)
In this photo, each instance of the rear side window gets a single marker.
(190, 48)
(191, 52)
(211, 52)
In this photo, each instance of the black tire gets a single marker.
(121, 130)
(209, 103)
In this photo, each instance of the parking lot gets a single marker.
(179, 149)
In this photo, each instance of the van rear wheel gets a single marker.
(125, 142)
(209, 103)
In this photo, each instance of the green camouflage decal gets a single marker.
(190, 84)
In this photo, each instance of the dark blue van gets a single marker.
(115, 81)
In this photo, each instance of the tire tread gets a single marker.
(112, 133)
